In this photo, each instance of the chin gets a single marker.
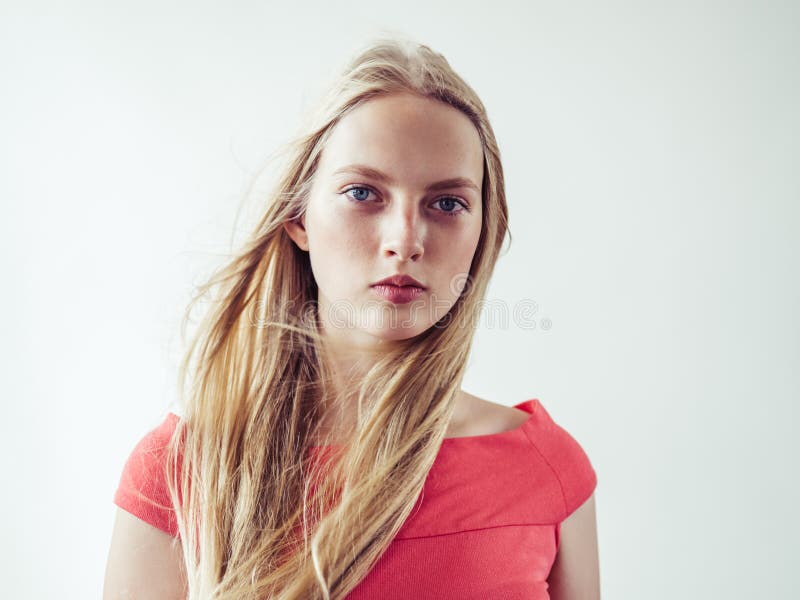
(397, 334)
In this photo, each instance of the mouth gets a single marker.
(398, 294)
(400, 280)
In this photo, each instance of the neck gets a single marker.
(347, 364)
(348, 359)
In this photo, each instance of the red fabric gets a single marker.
(142, 489)
(485, 526)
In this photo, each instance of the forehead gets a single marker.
(414, 139)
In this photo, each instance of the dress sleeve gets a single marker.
(570, 464)
(142, 489)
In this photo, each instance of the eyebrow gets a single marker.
(455, 182)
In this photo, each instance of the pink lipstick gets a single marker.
(398, 288)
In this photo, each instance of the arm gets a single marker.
(143, 563)
(575, 574)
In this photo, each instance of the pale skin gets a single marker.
(360, 228)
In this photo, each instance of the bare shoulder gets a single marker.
(477, 416)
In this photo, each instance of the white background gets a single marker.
(651, 154)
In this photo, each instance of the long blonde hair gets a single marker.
(259, 515)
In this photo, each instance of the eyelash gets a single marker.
(452, 213)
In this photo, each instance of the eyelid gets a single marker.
(464, 203)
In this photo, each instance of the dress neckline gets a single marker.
(529, 406)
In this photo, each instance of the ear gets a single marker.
(297, 231)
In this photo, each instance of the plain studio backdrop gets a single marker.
(651, 286)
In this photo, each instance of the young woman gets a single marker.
(324, 447)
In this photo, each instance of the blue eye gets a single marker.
(363, 193)
(449, 205)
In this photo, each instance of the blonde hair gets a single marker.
(258, 514)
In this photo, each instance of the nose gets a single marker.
(403, 233)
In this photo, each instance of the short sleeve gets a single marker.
(567, 459)
(142, 489)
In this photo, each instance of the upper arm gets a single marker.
(143, 562)
(575, 574)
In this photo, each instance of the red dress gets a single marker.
(486, 525)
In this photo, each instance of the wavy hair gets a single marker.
(260, 514)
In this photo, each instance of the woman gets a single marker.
(325, 448)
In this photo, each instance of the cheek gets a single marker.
(339, 243)
(460, 248)
(457, 254)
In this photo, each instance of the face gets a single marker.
(396, 191)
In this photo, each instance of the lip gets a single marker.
(397, 294)
(400, 281)
(398, 288)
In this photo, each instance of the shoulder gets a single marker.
(150, 450)
(142, 490)
(159, 435)
(476, 416)
(565, 457)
